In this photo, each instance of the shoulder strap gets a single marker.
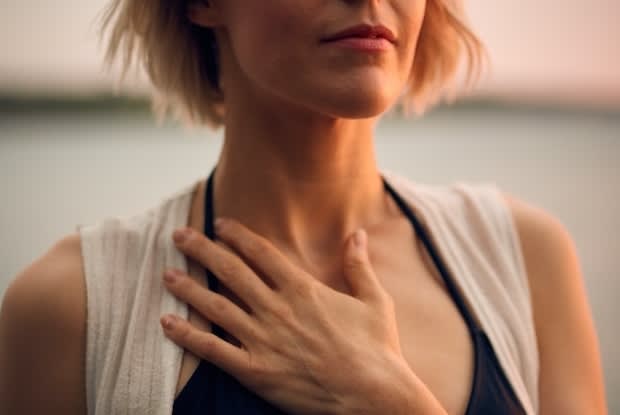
(426, 239)
(474, 232)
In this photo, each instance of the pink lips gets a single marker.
(364, 44)
(364, 31)
(363, 37)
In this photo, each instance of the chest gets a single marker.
(434, 337)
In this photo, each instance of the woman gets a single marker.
(345, 289)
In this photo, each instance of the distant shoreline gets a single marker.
(29, 104)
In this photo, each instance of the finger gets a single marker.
(207, 346)
(358, 270)
(213, 306)
(258, 251)
(227, 267)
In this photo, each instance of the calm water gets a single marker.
(58, 170)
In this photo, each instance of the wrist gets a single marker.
(412, 396)
(394, 390)
(417, 398)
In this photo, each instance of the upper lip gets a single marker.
(364, 30)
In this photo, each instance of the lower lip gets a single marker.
(365, 44)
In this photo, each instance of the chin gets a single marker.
(358, 105)
(358, 98)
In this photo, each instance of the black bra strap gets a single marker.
(212, 281)
(443, 270)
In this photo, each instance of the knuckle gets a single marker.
(208, 344)
(229, 268)
(219, 304)
(354, 262)
(259, 336)
(300, 287)
(195, 246)
(304, 289)
(193, 241)
(282, 311)
(183, 332)
(256, 249)
(184, 284)
(231, 227)
(255, 369)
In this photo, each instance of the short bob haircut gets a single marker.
(177, 55)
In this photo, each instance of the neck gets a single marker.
(304, 186)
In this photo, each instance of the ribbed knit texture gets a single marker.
(132, 368)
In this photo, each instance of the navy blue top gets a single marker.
(211, 391)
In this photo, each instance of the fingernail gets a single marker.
(168, 322)
(219, 224)
(171, 275)
(360, 238)
(180, 235)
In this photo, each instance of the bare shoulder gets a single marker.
(544, 240)
(571, 380)
(42, 334)
(53, 283)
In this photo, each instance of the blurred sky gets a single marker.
(566, 51)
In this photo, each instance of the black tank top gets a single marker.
(211, 391)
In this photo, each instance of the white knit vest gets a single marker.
(132, 368)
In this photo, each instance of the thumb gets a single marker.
(358, 269)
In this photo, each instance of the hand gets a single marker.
(306, 348)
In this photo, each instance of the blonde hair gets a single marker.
(178, 55)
